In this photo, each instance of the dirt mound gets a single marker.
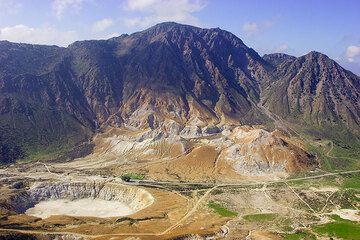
(259, 152)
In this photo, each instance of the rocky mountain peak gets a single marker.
(276, 59)
(314, 89)
(168, 74)
(314, 56)
(170, 26)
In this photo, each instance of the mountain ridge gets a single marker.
(150, 79)
(324, 92)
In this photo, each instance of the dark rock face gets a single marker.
(52, 96)
(314, 89)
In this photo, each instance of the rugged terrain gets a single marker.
(195, 133)
(54, 99)
(314, 90)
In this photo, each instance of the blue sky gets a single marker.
(290, 26)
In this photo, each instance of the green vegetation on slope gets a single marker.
(351, 181)
(336, 148)
(132, 176)
(9, 152)
(340, 228)
(333, 157)
(58, 151)
(221, 210)
(262, 217)
(46, 135)
(9, 149)
(301, 235)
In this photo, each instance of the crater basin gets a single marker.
(84, 199)
(82, 207)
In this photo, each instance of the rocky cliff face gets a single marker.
(54, 98)
(258, 152)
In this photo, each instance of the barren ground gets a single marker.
(183, 178)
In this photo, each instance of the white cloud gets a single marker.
(61, 6)
(9, 7)
(250, 28)
(111, 35)
(157, 11)
(253, 28)
(352, 52)
(42, 35)
(102, 25)
(282, 48)
(107, 36)
(139, 4)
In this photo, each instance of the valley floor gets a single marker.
(188, 204)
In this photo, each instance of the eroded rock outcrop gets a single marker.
(259, 152)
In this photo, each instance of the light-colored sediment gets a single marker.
(82, 207)
(348, 214)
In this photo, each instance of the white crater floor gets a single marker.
(81, 207)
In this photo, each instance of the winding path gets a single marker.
(330, 156)
(187, 215)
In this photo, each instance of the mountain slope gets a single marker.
(170, 71)
(40, 105)
(168, 76)
(194, 74)
(314, 90)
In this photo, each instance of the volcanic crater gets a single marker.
(90, 199)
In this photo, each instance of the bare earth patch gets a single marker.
(81, 207)
(348, 214)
